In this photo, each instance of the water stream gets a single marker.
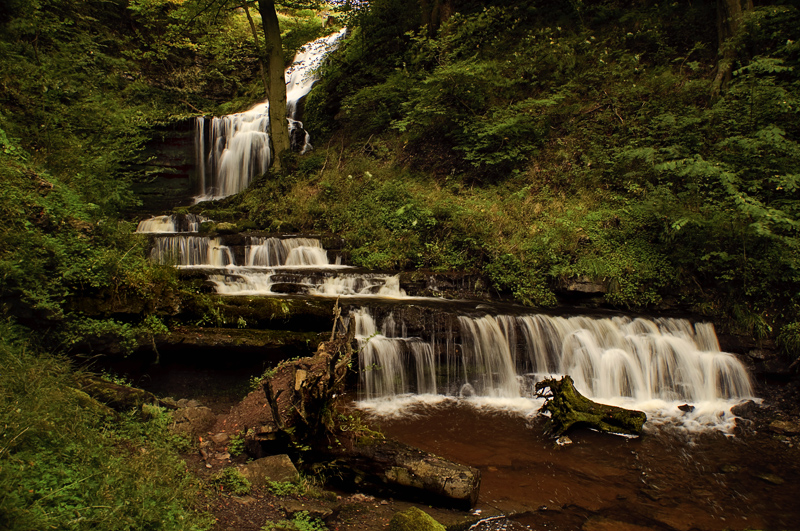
(672, 369)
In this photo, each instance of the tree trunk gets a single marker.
(568, 408)
(729, 18)
(262, 69)
(279, 128)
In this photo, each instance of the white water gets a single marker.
(167, 224)
(238, 144)
(273, 252)
(191, 251)
(346, 285)
(654, 366)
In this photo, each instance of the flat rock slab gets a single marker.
(315, 509)
(272, 468)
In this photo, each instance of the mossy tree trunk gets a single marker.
(279, 128)
(569, 408)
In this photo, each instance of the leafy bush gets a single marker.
(230, 481)
(301, 521)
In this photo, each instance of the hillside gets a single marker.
(620, 154)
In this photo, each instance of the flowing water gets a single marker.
(667, 480)
(656, 366)
(233, 149)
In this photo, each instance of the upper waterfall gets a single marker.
(233, 149)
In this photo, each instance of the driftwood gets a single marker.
(568, 408)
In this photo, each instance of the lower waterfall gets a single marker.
(653, 365)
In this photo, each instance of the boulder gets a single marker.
(403, 469)
(414, 519)
(272, 468)
(785, 427)
(192, 421)
(745, 410)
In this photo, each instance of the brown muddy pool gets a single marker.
(666, 480)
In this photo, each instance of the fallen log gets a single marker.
(568, 408)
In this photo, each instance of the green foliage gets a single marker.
(301, 521)
(236, 444)
(230, 481)
(284, 488)
(65, 465)
(507, 272)
(789, 339)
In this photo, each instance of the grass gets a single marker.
(68, 463)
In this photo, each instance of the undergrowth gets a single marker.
(68, 463)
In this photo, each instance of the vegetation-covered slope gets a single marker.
(541, 142)
(84, 85)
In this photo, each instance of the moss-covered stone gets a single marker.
(414, 520)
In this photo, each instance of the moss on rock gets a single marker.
(414, 520)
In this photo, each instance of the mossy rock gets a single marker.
(414, 520)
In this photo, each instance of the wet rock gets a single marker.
(564, 441)
(315, 509)
(686, 408)
(745, 410)
(584, 285)
(272, 468)
(414, 520)
(785, 427)
(188, 403)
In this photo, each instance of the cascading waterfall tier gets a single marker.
(653, 365)
(274, 252)
(191, 251)
(233, 149)
(172, 223)
(318, 283)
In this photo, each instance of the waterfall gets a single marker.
(653, 365)
(272, 252)
(172, 223)
(232, 149)
(191, 251)
(272, 281)
(386, 363)
(238, 150)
